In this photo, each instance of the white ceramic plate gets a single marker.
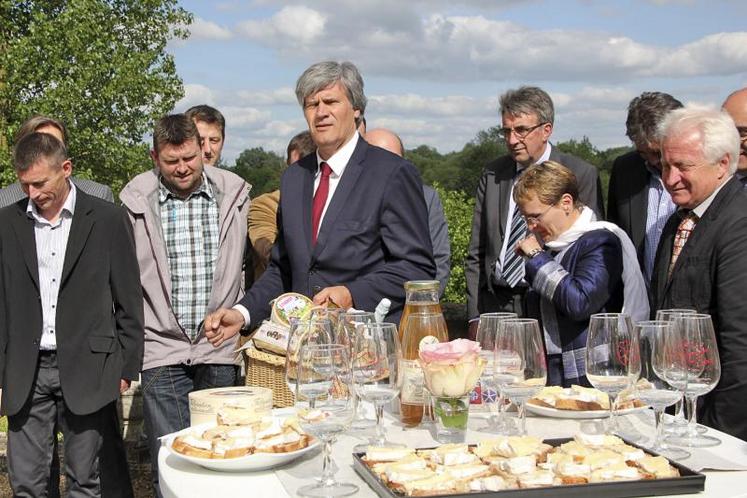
(578, 414)
(254, 462)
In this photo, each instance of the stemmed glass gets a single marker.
(487, 331)
(376, 353)
(613, 360)
(350, 324)
(520, 368)
(678, 423)
(660, 353)
(302, 333)
(698, 372)
(325, 408)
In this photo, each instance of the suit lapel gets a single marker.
(504, 178)
(79, 230)
(308, 166)
(345, 186)
(23, 226)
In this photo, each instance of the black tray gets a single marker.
(688, 482)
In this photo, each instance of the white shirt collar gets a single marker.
(544, 157)
(701, 208)
(68, 209)
(340, 159)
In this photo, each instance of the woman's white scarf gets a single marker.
(635, 296)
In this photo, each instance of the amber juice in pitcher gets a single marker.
(422, 322)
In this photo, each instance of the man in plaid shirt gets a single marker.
(190, 233)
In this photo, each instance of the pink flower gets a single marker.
(451, 369)
(449, 352)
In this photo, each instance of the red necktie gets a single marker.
(320, 199)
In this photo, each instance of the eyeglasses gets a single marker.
(742, 132)
(533, 219)
(519, 131)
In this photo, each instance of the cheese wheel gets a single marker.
(290, 305)
(204, 405)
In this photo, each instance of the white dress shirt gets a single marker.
(51, 245)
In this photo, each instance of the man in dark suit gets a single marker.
(71, 319)
(637, 201)
(44, 124)
(352, 220)
(527, 115)
(115, 474)
(704, 267)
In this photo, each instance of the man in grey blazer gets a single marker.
(44, 124)
(527, 115)
(388, 140)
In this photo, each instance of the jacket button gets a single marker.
(315, 289)
(188, 362)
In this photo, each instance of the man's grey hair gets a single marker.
(323, 74)
(645, 112)
(718, 133)
(528, 100)
(36, 146)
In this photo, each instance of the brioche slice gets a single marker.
(385, 454)
(616, 472)
(437, 484)
(192, 446)
(656, 467)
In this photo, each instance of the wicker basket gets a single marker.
(268, 370)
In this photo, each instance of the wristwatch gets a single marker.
(533, 252)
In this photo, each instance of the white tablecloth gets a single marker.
(184, 480)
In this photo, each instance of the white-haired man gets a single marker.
(700, 261)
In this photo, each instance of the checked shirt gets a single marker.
(190, 230)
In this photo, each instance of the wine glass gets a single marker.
(520, 368)
(349, 325)
(697, 374)
(375, 363)
(612, 357)
(659, 354)
(487, 330)
(678, 423)
(325, 408)
(302, 333)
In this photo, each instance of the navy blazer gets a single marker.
(373, 238)
(593, 285)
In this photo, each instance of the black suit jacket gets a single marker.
(373, 238)
(710, 276)
(627, 199)
(99, 327)
(489, 223)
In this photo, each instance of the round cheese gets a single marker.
(204, 405)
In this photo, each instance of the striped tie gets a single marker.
(513, 264)
(684, 229)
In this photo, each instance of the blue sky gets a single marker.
(433, 69)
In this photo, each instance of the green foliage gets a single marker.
(458, 208)
(260, 168)
(98, 65)
(3, 424)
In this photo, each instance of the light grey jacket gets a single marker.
(165, 341)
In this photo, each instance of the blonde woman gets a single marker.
(575, 266)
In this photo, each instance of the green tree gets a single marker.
(582, 149)
(458, 208)
(261, 168)
(98, 65)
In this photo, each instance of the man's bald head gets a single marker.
(387, 140)
(736, 105)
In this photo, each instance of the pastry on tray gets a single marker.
(513, 462)
(579, 398)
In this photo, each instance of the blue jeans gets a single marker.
(166, 403)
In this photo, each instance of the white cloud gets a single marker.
(290, 25)
(195, 94)
(201, 29)
(281, 96)
(413, 104)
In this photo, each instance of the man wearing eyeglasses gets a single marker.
(637, 201)
(494, 273)
(736, 106)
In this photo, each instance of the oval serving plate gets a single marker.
(546, 411)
